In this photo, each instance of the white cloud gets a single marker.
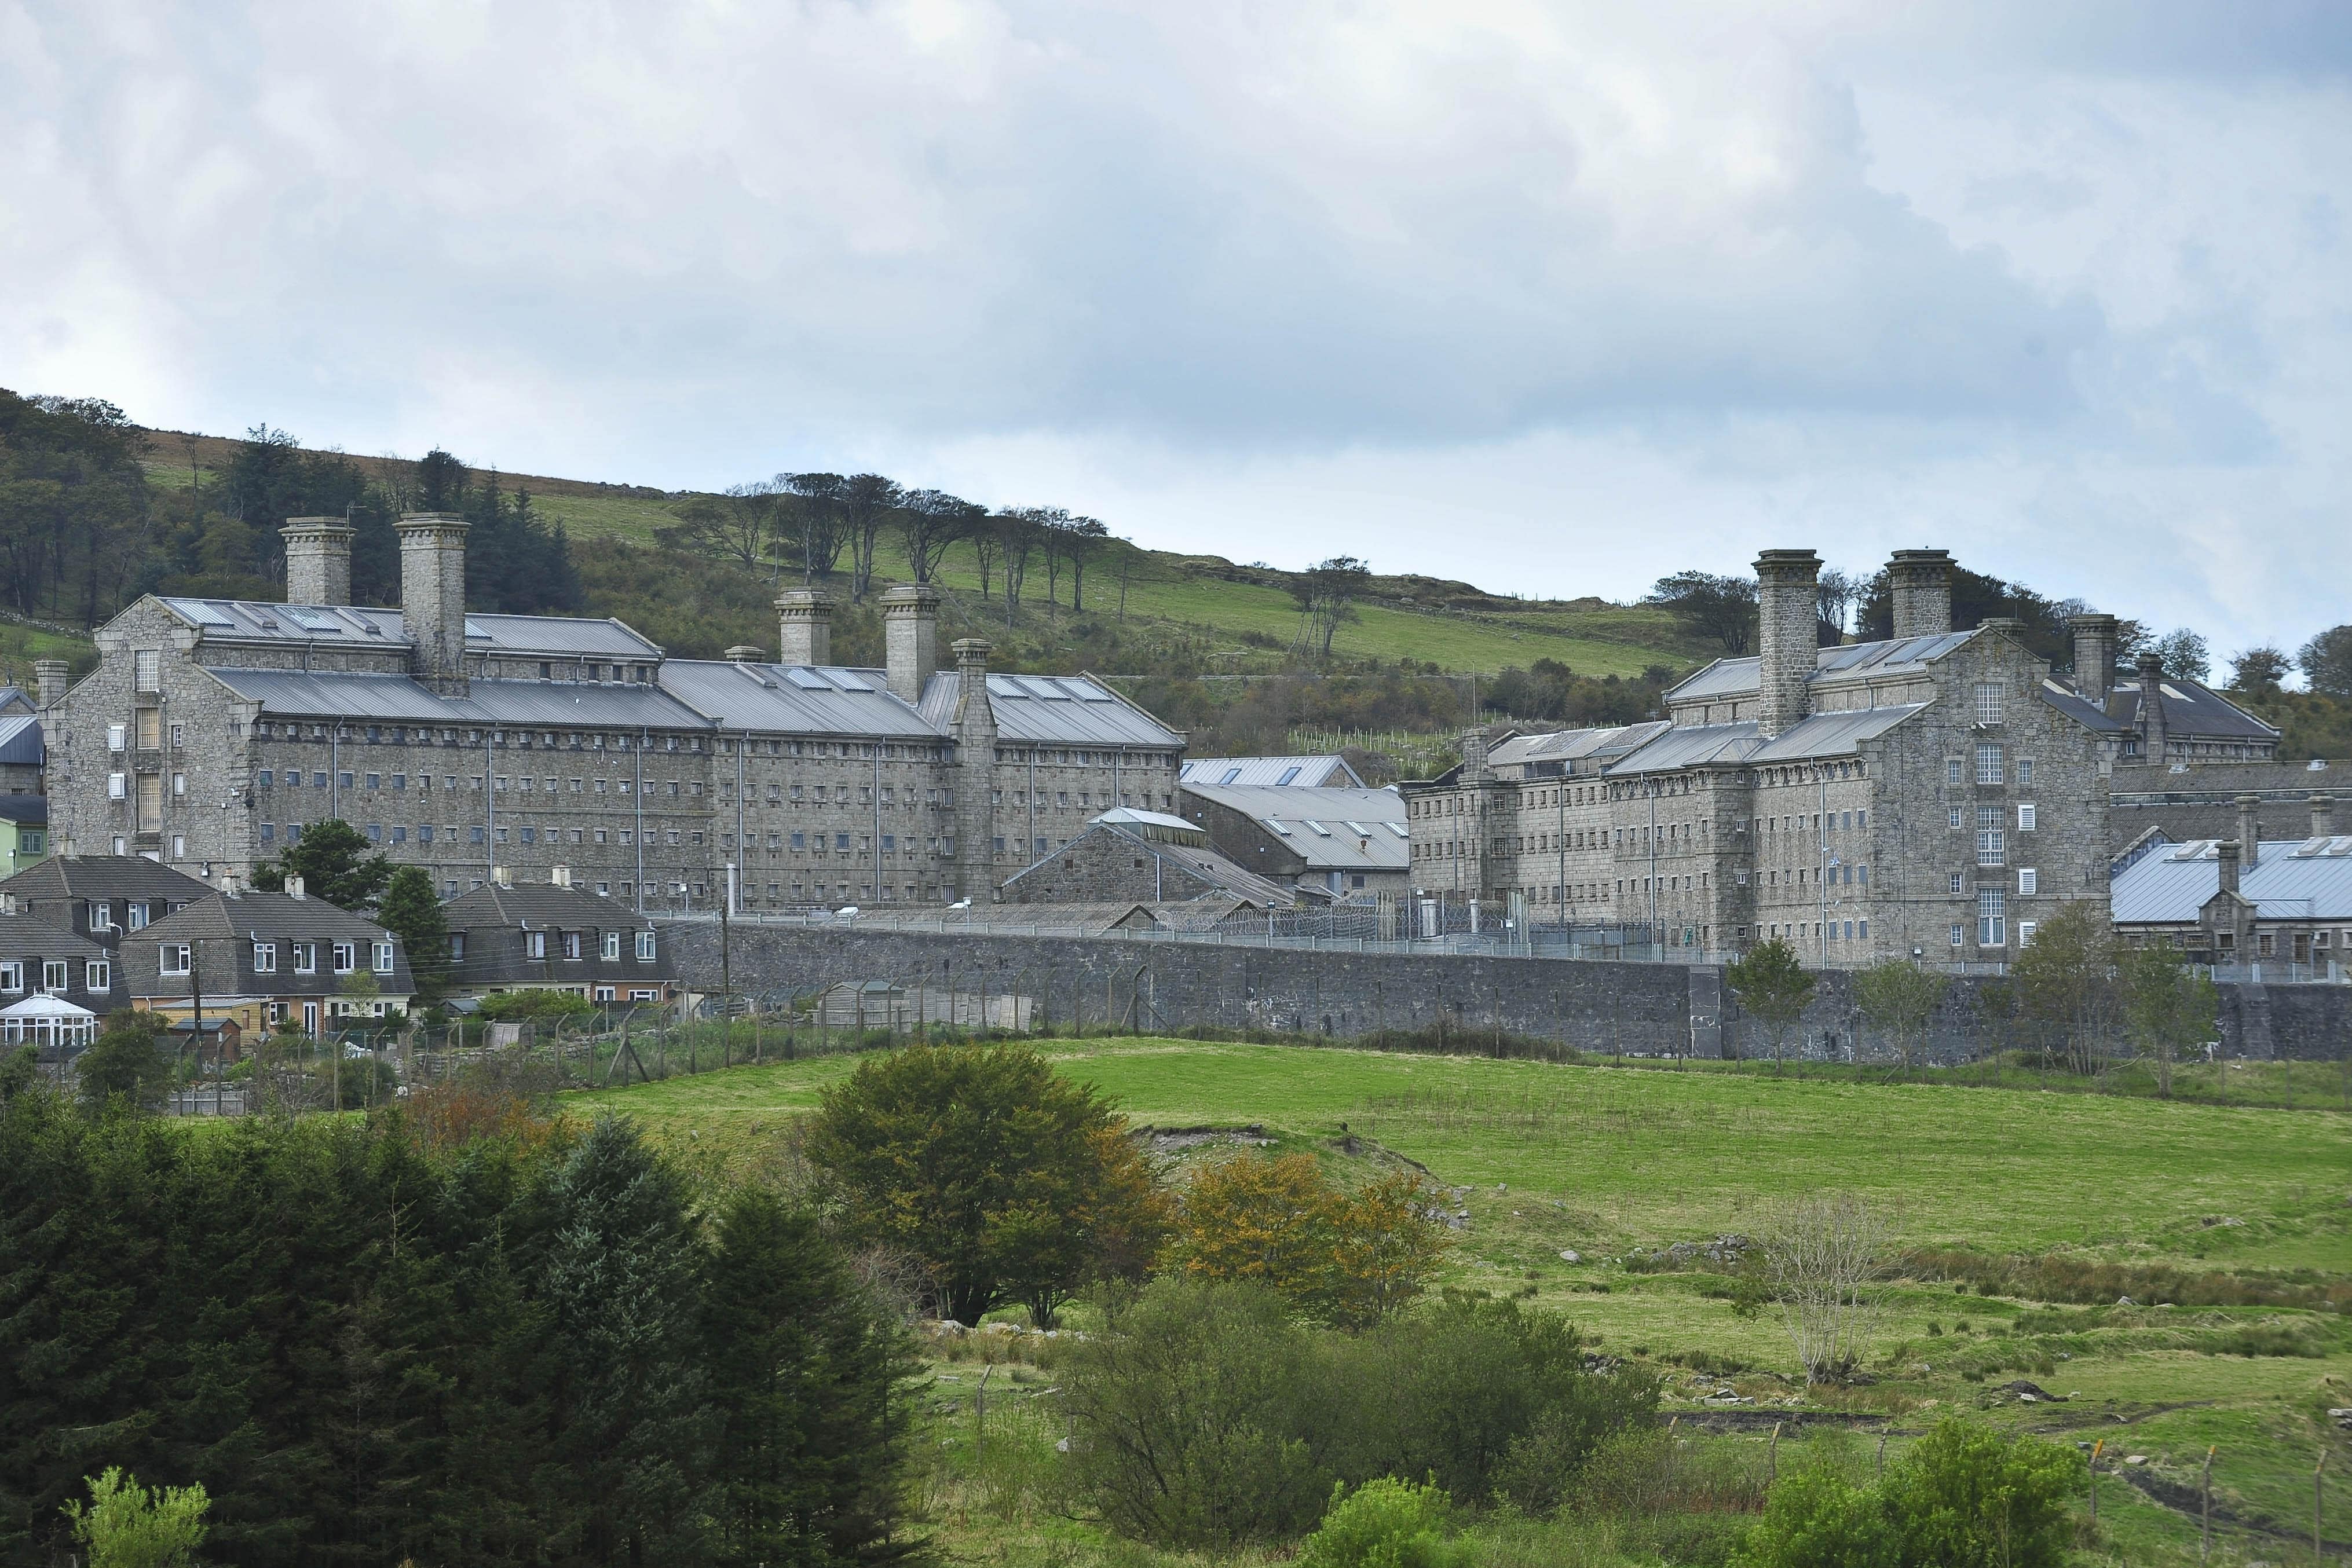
(1553, 297)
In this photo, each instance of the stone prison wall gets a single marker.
(1653, 1010)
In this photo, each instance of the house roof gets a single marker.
(277, 914)
(2294, 879)
(795, 699)
(22, 744)
(1222, 875)
(1854, 661)
(103, 877)
(354, 695)
(16, 698)
(538, 904)
(1331, 829)
(46, 1007)
(1297, 772)
(358, 626)
(1052, 710)
(31, 810)
(24, 937)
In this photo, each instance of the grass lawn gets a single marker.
(1603, 1161)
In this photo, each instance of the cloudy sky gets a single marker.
(1555, 297)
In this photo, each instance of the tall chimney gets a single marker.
(910, 634)
(804, 627)
(2151, 709)
(1920, 581)
(2249, 830)
(318, 560)
(975, 769)
(2226, 852)
(2322, 816)
(433, 598)
(2095, 657)
(1473, 756)
(49, 680)
(1786, 643)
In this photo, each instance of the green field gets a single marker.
(1610, 1163)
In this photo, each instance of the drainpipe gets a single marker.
(639, 750)
(1821, 836)
(878, 822)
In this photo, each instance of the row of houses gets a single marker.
(82, 936)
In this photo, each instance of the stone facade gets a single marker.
(1917, 796)
(214, 731)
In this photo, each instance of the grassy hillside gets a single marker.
(1610, 1164)
(1240, 611)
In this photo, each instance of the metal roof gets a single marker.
(1689, 745)
(353, 694)
(2079, 708)
(1131, 817)
(21, 741)
(1054, 710)
(1851, 661)
(1574, 744)
(251, 620)
(1301, 772)
(2190, 709)
(15, 697)
(1360, 829)
(543, 903)
(795, 699)
(1818, 734)
(2294, 879)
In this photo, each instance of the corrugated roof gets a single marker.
(1689, 745)
(2190, 709)
(1362, 830)
(1832, 734)
(1222, 874)
(248, 621)
(795, 699)
(1052, 710)
(348, 694)
(1854, 661)
(1301, 772)
(2294, 879)
(21, 742)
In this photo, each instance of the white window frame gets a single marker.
(345, 956)
(2025, 816)
(384, 958)
(118, 786)
(118, 736)
(167, 952)
(646, 947)
(534, 944)
(1992, 917)
(1989, 702)
(1992, 763)
(56, 976)
(265, 958)
(306, 957)
(12, 977)
(97, 975)
(2025, 931)
(2028, 880)
(611, 945)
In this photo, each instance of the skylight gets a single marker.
(1231, 774)
(1287, 775)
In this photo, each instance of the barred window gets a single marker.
(1989, 769)
(1987, 702)
(1992, 917)
(1991, 846)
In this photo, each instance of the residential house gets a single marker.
(101, 897)
(555, 935)
(267, 958)
(24, 831)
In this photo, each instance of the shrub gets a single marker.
(1967, 1497)
(1385, 1524)
(128, 1526)
(546, 1004)
(1350, 1258)
(129, 1059)
(1816, 1519)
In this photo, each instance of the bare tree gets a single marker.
(929, 522)
(1080, 536)
(817, 516)
(986, 542)
(1016, 533)
(1822, 1253)
(866, 500)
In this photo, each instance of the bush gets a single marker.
(128, 1526)
(1350, 1258)
(1816, 1519)
(1967, 1497)
(547, 1004)
(1386, 1523)
(129, 1059)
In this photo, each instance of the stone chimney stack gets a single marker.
(911, 637)
(2226, 852)
(433, 598)
(2322, 816)
(1786, 643)
(1473, 756)
(49, 680)
(2249, 830)
(804, 627)
(318, 560)
(2095, 657)
(975, 769)
(744, 653)
(2151, 709)
(1920, 581)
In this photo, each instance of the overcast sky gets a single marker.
(1556, 298)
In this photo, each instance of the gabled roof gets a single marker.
(1601, 744)
(397, 699)
(1052, 710)
(1729, 678)
(104, 877)
(1206, 865)
(277, 914)
(2294, 879)
(795, 699)
(1838, 733)
(2190, 709)
(21, 741)
(541, 905)
(1331, 829)
(15, 699)
(359, 626)
(1299, 772)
